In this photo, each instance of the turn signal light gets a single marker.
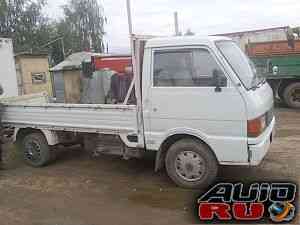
(257, 126)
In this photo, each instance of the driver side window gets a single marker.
(185, 68)
(205, 68)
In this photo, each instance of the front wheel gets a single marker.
(291, 95)
(191, 164)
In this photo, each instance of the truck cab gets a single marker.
(203, 92)
(278, 62)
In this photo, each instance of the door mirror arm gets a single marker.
(218, 89)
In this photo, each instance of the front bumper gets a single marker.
(258, 148)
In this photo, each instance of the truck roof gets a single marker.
(183, 40)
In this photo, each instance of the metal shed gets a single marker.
(67, 77)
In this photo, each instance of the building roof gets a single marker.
(32, 55)
(74, 61)
(252, 31)
(183, 40)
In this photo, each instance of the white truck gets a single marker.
(199, 105)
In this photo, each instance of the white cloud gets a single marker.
(201, 16)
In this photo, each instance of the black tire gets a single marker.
(280, 94)
(36, 151)
(289, 95)
(207, 169)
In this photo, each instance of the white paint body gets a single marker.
(217, 118)
(8, 76)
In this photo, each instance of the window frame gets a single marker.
(183, 48)
(44, 74)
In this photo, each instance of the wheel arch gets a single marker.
(170, 140)
(50, 136)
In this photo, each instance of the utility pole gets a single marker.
(176, 23)
(63, 47)
(129, 17)
(134, 66)
(61, 39)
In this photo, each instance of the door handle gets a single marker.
(218, 89)
(154, 109)
(146, 102)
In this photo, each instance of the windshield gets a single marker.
(240, 63)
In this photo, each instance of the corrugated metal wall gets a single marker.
(59, 87)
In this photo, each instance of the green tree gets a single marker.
(82, 26)
(23, 21)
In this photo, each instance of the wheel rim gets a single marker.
(190, 166)
(295, 96)
(33, 151)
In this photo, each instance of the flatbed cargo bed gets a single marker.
(107, 119)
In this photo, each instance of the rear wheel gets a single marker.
(191, 164)
(291, 95)
(36, 151)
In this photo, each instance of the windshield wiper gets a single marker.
(263, 80)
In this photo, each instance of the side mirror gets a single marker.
(275, 70)
(219, 80)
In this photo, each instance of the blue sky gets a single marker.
(201, 16)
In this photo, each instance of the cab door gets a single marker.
(183, 98)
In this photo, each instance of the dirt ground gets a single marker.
(78, 190)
